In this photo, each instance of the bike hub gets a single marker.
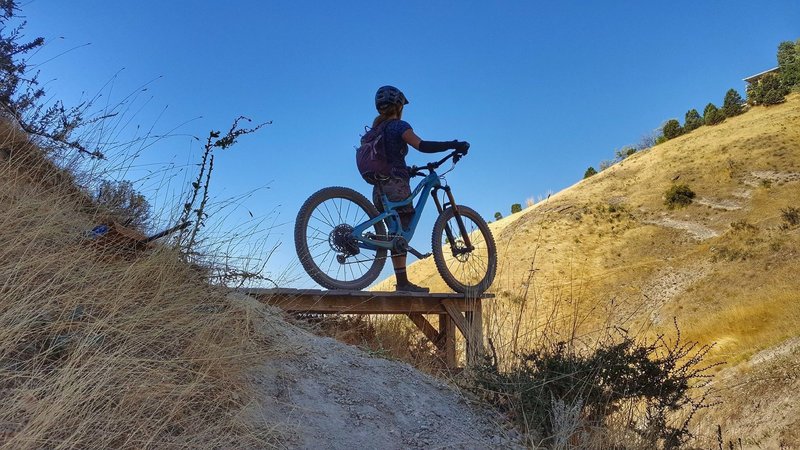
(342, 241)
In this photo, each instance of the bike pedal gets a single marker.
(418, 254)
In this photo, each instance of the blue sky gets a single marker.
(542, 90)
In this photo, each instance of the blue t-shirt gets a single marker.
(396, 147)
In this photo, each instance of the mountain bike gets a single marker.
(342, 239)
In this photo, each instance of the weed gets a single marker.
(791, 217)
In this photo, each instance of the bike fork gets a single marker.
(452, 203)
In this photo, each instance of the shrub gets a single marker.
(712, 115)
(589, 172)
(661, 139)
(672, 129)
(791, 217)
(678, 195)
(733, 105)
(498, 216)
(124, 203)
(605, 164)
(515, 208)
(692, 120)
(624, 152)
(595, 386)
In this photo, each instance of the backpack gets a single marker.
(371, 155)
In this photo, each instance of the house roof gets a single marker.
(755, 77)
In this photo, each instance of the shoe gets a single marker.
(411, 287)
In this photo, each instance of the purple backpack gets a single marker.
(371, 156)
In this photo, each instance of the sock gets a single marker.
(401, 276)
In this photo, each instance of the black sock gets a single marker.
(401, 276)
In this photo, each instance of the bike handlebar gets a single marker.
(431, 166)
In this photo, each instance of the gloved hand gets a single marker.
(462, 147)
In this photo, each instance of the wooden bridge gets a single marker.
(454, 311)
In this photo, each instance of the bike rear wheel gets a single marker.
(466, 271)
(324, 243)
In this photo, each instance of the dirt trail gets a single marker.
(325, 394)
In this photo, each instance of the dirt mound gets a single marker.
(323, 393)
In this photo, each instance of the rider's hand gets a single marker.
(461, 147)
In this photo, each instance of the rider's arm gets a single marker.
(413, 140)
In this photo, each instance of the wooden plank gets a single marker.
(357, 302)
(427, 329)
(453, 310)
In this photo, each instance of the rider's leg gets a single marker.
(398, 189)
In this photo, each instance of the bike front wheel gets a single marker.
(466, 269)
(324, 242)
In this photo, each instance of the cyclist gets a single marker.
(398, 135)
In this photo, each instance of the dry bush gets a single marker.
(104, 350)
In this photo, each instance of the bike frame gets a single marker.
(431, 184)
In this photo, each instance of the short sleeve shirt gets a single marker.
(396, 147)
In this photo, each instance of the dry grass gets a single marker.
(100, 348)
(606, 251)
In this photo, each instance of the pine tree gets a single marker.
(712, 115)
(789, 63)
(672, 129)
(733, 104)
(772, 89)
(692, 120)
(589, 172)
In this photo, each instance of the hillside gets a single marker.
(103, 345)
(607, 250)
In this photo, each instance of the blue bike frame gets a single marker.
(428, 186)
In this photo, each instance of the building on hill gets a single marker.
(754, 78)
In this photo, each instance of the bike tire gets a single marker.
(482, 273)
(311, 265)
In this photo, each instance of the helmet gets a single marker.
(389, 95)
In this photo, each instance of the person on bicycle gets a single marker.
(398, 135)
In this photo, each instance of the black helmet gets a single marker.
(389, 95)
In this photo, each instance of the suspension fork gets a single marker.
(452, 203)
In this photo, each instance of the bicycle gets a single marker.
(342, 241)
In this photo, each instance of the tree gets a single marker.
(672, 129)
(692, 121)
(772, 89)
(589, 172)
(624, 152)
(712, 115)
(789, 63)
(515, 208)
(498, 216)
(733, 105)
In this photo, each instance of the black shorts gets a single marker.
(396, 189)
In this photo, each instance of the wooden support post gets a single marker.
(447, 329)
(475, 348)
(428, 330)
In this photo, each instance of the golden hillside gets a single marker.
(725, 267)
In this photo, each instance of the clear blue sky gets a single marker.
(542, 90)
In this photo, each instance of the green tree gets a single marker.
(515, 208)
(692, 121)
(589, 172)
(712, 115)
(498, 216)
(733, 104)
(789, 63)
(672, 129)
(624, 152)
(772, 89)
